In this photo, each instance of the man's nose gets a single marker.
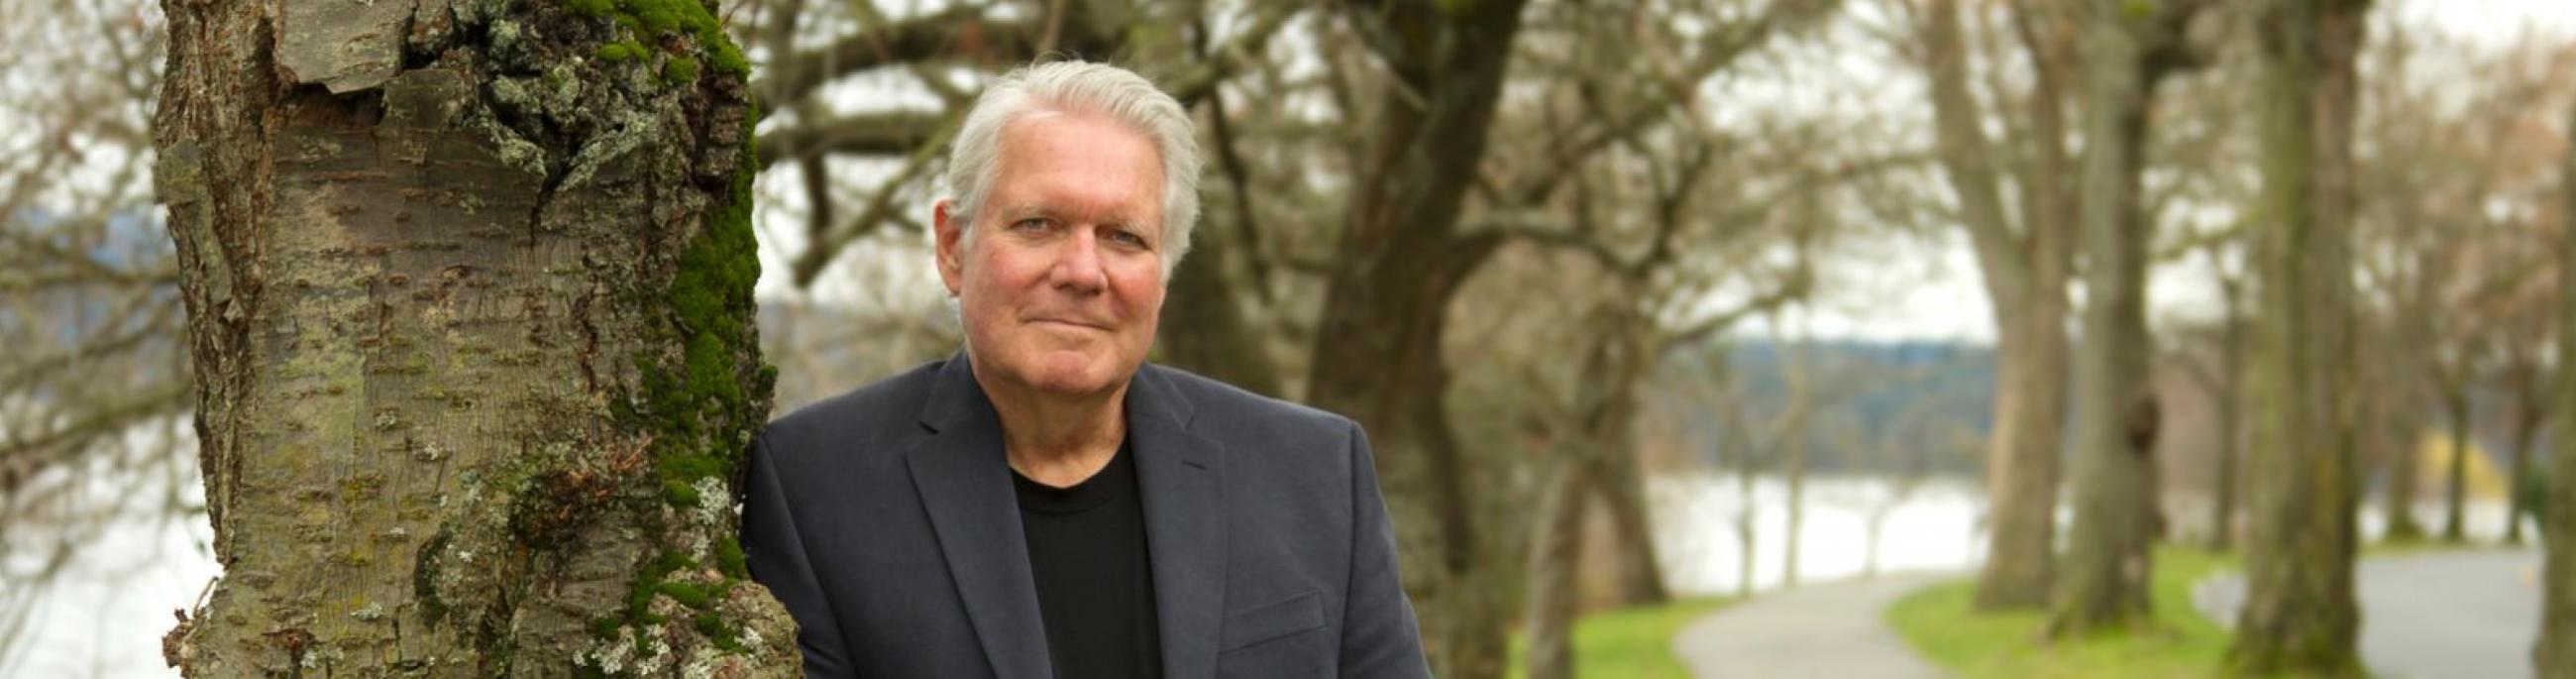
(1078, 264)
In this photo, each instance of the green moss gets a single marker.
(659, 18)
(729, 558)
(679, 71)
(424, 576)
(620, 52)
(724, 636)
(688, 594)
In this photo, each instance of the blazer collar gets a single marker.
(963, 475)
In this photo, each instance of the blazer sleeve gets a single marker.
(1379, 635)
(775, 552)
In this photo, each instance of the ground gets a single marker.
(1822, 630)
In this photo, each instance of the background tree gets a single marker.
(468, 294)
(2126, 52)
(2026, 263)
(2554, 652)
(2300, 615)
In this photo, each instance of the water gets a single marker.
(1935, 527)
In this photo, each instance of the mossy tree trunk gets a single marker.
(2554, 653)
(2300, 617)
(2103, 582)
(468, 291)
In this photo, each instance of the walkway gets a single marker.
(1823, 630)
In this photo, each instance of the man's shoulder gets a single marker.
(869, 414)
(1222, 407)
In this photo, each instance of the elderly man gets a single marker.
(1045, 503)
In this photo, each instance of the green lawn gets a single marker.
(1630, 642)
(2181, 644)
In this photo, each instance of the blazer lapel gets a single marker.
(1181, 477)
(965, 485)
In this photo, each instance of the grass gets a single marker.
(2180, 644)
(1629, 642)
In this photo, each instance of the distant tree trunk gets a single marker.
(2300, 616)
(2231, 426)
(469, 305)
(1203, 328)
(1621, 487)
(2400, 407)
(1605, 398)
(2025, 277)
(1400, 260)
(2103, 584)
(2528, 409)
(1793, 449)
(1795, 474)
(1555, 552)
(2554, 653)
(2456, 397)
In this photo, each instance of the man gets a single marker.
(1045, 503)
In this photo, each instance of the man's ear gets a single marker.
(945, 233)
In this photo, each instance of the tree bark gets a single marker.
(2554, 653)
(2455, 488)
(2103, 585)
(2526, 426)
(2300, 616)
(1555, 555)
(1204, 329)
(468, 291)
(2231, 427)
(1400, 261)
(2025, 278)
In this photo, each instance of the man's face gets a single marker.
(1061, 287)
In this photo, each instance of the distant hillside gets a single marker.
(1885, 399)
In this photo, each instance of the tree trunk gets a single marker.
(2025, 278)
(2104, 583)
(1795, 474)
(2526, 426)
(1399, 262)
(1621, 488)
(1203, 329)
(2231, 427)
(468, 290)
(2300, 616)
(2457, 484)
(1555, 553)
(2554, 653)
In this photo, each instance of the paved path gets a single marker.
(2432, 615)
(1824, 630)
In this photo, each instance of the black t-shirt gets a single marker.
(1095, 586)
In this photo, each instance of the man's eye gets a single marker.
(1030, 224)
(1125, 237)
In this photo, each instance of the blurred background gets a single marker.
(1730, 297)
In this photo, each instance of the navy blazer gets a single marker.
(884, 519)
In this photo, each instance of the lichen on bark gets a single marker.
(474, 336)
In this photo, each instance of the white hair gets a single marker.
(1084, 88)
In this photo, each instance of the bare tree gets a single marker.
(2026, 264)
